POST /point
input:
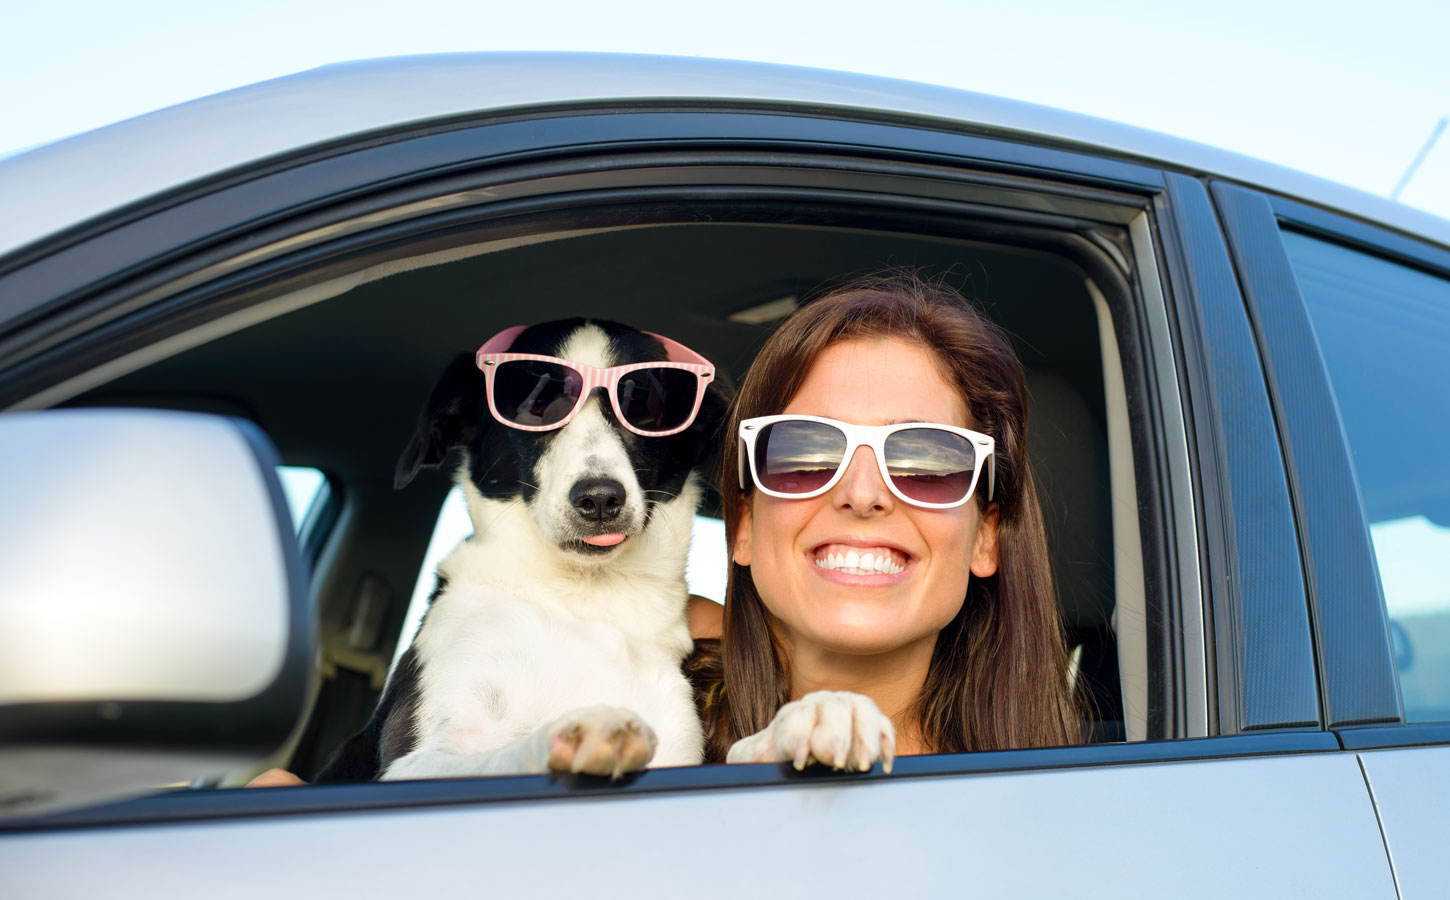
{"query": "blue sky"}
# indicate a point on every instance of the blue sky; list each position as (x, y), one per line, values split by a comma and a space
(1347, 91)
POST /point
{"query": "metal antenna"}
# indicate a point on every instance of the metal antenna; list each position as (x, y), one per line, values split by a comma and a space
(1435, 133)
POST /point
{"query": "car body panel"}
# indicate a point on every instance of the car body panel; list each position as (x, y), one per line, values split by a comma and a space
(1261, 827)
(1412, 796)
(121, 164)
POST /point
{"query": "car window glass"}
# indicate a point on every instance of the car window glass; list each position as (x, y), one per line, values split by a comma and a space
(302, 485)
(705, 569)
(1383, 329)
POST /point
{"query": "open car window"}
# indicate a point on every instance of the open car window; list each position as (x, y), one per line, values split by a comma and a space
(334, 356)
(372, 601)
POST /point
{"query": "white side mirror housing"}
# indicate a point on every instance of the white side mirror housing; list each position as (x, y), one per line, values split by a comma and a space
(155, 624)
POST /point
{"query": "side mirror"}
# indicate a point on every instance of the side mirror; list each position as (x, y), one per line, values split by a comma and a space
(155, 624)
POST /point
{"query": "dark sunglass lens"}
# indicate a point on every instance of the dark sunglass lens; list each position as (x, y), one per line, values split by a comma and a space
(798, 457)
(929, 465)
(530, 392)
(658, 399)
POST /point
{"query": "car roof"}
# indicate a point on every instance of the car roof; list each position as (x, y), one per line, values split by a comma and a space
(50, 188)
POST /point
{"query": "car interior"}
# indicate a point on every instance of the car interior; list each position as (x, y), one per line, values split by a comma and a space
(338, 368)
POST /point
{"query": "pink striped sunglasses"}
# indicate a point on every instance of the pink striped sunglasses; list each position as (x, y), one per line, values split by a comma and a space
(540, 393)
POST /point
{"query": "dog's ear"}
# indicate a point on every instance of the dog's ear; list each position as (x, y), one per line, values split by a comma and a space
(451, 419)
(710, 422)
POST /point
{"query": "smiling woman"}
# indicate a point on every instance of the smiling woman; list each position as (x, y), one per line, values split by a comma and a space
(930, 595)
(814, 560)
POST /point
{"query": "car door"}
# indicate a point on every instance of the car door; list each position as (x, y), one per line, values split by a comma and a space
(1229, 780)
(1355, 321)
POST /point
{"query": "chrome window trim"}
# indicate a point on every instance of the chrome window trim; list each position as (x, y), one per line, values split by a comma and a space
(1190, 613)
(1130, 601)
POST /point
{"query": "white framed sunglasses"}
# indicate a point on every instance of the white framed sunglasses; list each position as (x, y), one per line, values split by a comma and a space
(796, 457)
(532, 392)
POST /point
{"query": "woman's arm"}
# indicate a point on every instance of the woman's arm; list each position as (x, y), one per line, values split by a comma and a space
(275, 778)
(706, 617)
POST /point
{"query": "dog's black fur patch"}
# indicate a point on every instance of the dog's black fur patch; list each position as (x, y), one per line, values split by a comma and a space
(388, 734)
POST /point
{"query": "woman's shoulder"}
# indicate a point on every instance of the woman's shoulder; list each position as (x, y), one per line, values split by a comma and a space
(706, 617)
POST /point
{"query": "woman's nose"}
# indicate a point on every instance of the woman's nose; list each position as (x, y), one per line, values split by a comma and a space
(861, 489)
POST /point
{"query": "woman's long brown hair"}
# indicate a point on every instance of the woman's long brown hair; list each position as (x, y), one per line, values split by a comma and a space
(998, 675)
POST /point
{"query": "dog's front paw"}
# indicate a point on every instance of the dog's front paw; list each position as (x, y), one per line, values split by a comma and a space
(600, 740)
(835, 728)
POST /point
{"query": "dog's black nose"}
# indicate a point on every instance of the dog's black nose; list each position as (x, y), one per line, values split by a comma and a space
(597, 499)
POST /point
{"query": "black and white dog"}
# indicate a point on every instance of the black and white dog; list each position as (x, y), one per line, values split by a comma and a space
(555, 637)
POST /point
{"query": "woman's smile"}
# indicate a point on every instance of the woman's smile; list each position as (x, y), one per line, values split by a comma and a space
(861, 562)
(865, 557)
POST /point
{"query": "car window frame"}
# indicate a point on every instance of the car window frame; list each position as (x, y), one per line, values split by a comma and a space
(1174, 207)
(199, 223)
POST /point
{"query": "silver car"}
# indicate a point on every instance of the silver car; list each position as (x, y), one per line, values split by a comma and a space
(1239, 377)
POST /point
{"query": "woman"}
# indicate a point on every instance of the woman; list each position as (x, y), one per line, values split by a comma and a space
(924, 587)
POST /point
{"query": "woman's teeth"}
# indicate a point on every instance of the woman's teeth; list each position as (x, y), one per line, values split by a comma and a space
(860, 563)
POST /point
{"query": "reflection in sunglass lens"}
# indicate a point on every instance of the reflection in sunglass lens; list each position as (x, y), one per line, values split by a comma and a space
(657, 399)
(929, 465)
(531, 392)
(798, 457)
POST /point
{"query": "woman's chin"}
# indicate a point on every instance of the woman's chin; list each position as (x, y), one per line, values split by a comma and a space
(856, 623)
(858, 637)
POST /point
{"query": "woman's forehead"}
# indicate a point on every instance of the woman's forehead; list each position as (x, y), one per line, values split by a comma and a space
(879, 381)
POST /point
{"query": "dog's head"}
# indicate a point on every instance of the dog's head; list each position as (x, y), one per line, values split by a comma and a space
(591, 486)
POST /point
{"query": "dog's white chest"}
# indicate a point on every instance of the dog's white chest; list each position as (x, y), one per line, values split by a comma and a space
(497, 666)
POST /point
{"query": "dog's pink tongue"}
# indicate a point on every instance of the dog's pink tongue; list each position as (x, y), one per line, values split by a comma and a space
(605, 540)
